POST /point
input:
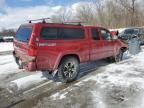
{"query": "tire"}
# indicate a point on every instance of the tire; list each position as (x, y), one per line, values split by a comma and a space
(19, 63)
(119, 56)
(68, 69)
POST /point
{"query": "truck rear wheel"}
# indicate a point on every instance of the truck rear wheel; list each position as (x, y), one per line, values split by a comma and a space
(18, 61)
(68, 69)
(119, 56)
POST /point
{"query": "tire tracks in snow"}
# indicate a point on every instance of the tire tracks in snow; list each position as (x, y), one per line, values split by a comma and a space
(6, 62)
(7, 99)
(31, 97)
(5, 53)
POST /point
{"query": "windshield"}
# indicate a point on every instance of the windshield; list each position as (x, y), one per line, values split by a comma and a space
(129, 31)
(24, 33)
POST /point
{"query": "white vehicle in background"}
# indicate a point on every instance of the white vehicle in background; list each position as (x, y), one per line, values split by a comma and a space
(6, 44)
(1, 39)
(117, 29)
(8, 38)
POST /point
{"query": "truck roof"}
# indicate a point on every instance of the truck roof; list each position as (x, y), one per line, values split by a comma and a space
(61, 24)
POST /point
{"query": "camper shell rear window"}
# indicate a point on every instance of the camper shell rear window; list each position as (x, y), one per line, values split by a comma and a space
(23, 34)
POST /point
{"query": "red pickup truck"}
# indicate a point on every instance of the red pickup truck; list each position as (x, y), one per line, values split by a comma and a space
(62, 47)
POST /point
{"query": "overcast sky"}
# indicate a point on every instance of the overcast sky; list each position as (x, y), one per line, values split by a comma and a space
(15, 12)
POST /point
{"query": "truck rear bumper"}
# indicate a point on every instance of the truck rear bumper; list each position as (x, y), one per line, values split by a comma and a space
(28, 64)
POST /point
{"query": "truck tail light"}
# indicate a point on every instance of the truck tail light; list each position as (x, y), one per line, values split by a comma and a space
(32, 51)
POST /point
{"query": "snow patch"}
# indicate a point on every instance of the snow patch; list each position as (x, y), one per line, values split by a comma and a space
(6, 46)
(26, 83)
(7, 65)
(59, 95)
(122, 84)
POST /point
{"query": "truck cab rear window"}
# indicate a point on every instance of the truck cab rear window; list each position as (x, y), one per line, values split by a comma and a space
(71, 33)
(24, 33)
(49, 33)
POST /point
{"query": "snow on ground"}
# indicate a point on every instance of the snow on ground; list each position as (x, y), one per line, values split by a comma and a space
(6, 59)
(7, 65)
(25, 83)
(121, 85)
(8, 68)
(124, 73)
(117, 85)
(6, 46)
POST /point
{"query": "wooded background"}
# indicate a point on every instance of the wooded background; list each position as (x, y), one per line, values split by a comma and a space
(107, 13)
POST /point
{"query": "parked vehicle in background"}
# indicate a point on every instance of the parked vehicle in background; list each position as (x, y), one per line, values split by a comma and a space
(1, 39)
(114, 33)
(131, 32)
(62, 47)
(8, 38)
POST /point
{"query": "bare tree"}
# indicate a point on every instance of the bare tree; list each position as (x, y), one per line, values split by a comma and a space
(130, 6)
(63, 15)
(92, 13)
(7, 32)
(85, 14)
(107, 13)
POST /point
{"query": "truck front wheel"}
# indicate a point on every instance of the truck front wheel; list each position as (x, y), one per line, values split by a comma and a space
(68, 69)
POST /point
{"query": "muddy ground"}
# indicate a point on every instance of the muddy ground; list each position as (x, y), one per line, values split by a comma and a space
(32, 98)
(82, 93)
